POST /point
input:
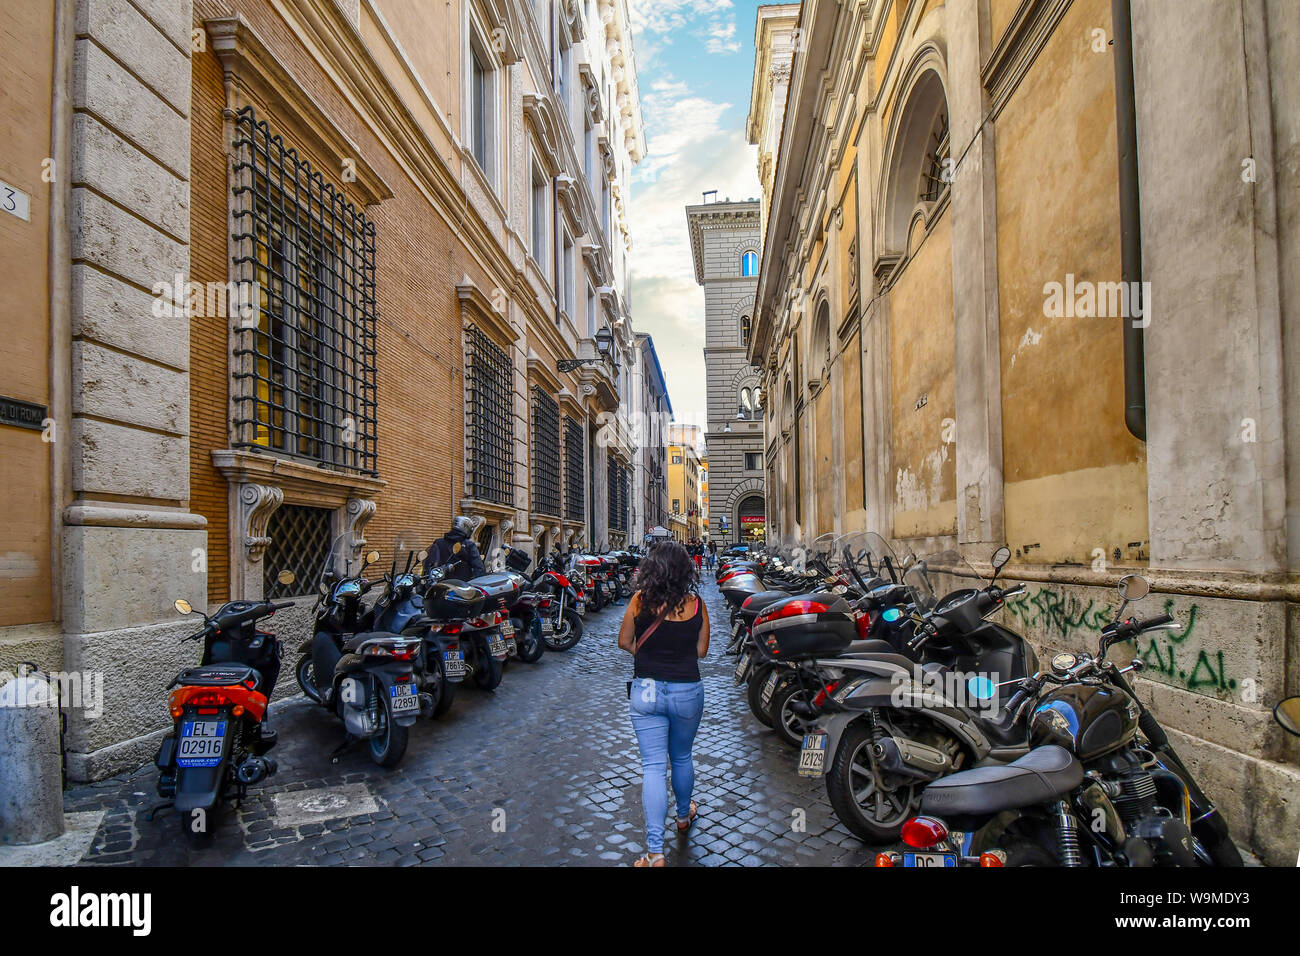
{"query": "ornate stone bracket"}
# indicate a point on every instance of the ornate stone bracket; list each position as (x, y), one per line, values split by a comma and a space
(256, 505)
(356, 515)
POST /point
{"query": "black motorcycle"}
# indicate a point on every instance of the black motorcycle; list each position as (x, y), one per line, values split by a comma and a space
(1102, 785)
(218, 745)
(373, 689)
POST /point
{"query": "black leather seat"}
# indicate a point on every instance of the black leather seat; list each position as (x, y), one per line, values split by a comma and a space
(1043, 774)
(218, 675)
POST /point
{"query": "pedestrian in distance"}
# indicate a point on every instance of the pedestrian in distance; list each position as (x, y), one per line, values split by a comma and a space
(666, 630)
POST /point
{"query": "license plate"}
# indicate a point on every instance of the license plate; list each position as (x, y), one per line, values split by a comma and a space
(742, 667)
(581, 607)
(812, 758)
(507, 631)
(735, 628)
(453, 663)
(497, 647)
(201, 743)
(548, 626)
(404, 698)
(929, 859)
(770, 687)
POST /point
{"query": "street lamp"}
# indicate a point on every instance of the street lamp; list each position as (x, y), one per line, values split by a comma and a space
(604, 350)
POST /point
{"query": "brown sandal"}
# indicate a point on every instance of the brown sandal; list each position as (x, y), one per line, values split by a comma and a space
(684, 825)
(651, 859)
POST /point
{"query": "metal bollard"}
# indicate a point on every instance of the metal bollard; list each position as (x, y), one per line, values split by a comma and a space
(31, 782)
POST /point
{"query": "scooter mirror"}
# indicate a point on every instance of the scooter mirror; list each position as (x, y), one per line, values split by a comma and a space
(286, 577)
(1000, 558)
(1287, 714)
(1134, 587)
(183, 606)
(372, 557)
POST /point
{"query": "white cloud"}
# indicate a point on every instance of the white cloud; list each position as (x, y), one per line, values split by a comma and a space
(694, 144)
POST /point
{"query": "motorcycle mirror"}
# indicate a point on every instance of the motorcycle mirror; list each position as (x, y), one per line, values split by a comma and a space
(1287, 714)
(183, 606)
(1000, 558)
(324, 588)
(286, 577)
(1133, 587)
(372, 557)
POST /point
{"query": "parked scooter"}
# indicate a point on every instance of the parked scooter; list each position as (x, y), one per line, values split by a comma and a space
(1102, 786)
(373, 688)
(897, 725)
(219, 741)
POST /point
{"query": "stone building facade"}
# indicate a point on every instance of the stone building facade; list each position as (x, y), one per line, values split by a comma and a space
(726, 246)
(953, 362)
(300, 276)
(651, 411)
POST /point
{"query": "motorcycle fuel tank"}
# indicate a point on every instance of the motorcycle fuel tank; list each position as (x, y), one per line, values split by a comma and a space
(1087, 719)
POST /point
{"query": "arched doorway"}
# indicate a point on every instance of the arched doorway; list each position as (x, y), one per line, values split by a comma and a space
(751, 520)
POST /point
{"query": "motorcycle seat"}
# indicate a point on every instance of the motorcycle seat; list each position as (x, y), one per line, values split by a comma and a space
(218, 675)
(1043, 774)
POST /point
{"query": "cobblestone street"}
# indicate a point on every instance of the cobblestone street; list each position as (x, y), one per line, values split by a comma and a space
(553, 748)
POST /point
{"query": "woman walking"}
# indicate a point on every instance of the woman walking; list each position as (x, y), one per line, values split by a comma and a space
(666, 630)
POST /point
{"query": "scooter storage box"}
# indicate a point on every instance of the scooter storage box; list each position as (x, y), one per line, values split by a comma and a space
(501, 590)
(804, 634)
(453, 601)
(736, 589)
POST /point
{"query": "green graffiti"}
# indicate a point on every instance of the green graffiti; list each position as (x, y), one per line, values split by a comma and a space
(1054, 613)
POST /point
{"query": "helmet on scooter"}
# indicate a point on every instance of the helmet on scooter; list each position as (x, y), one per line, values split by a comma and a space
(462, 525)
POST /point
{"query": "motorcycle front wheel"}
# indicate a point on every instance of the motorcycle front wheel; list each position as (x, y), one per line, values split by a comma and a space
(568, 631)
(872, 813)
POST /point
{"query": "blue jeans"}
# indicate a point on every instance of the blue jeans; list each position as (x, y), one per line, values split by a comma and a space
(665, 716)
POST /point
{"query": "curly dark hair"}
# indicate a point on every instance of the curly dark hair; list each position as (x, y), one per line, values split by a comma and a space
(666, 577)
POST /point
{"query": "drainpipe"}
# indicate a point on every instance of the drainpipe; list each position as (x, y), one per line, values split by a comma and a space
(1130, 223)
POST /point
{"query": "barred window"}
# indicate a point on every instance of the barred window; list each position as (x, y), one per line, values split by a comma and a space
(488, 432)
(574, 450)
(300, 542)
(619, 494)
(304, 354)
(546, 453)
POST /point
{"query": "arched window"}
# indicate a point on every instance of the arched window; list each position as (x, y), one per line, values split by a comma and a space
(751, 403)
(749, 264)
(746, 325)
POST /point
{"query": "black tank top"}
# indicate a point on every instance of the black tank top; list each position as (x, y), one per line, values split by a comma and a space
(671, 652)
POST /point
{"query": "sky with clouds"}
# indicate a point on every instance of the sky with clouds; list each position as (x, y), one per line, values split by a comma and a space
(695, 63)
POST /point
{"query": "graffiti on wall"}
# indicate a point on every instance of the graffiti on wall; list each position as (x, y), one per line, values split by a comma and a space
(1173, 657)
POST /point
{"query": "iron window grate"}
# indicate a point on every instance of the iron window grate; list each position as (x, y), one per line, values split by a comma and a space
(574, 441)
(304, 357)
(488, 422)
(546, 453)
(300, 542)
(617, 477)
